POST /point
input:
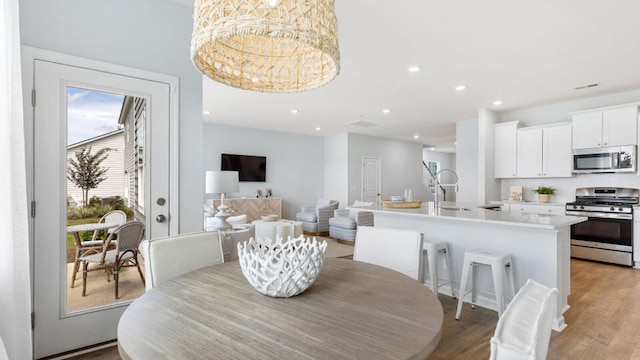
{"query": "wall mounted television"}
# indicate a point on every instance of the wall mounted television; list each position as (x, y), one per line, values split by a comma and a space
(249, 168)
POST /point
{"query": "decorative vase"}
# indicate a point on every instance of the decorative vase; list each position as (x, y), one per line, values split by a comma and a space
(544, 198)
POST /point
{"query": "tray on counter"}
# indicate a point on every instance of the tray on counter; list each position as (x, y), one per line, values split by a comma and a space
(402, 205)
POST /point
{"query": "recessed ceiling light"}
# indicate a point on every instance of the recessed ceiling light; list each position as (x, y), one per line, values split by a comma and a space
(318, 129)
(416, 136)
(432, 148)
(254, 79)
(386, 111)
(294, 111)
(460, 87)
(206, 112)
(497, 102)
(413, 68)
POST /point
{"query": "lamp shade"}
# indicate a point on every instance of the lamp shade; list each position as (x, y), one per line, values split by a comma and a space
(222, 182)
(272, 46)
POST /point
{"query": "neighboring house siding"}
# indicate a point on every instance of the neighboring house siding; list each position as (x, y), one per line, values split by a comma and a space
(114, 184)
(130, 159)
(133, 118)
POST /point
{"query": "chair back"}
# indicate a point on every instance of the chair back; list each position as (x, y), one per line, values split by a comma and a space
(113, 217)
(3, 351)
(396, 249)
(168, 257)
(524, 329)
(129, 237)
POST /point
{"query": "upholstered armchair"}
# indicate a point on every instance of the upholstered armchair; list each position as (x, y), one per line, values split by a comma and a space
(315, 218)
(344, 225)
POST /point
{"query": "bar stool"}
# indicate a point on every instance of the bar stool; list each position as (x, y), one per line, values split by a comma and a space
(500, 263)
(432, 250)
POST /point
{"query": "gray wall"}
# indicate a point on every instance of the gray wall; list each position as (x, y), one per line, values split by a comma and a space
(152, 35)
(401, 166)
(467, 158)
(295, 163)
(559, 112)
(336, 166)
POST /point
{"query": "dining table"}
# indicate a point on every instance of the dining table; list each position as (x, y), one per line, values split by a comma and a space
(86, 247)
(354, 310)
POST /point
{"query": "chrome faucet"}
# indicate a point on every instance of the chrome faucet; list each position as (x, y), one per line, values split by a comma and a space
(438, 184)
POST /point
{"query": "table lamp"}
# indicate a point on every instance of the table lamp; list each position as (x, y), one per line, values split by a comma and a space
(222, 182)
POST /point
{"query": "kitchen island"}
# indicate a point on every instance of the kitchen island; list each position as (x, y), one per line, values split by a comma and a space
(538, 244)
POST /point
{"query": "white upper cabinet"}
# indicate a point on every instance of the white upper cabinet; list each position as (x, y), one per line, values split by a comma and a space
(544, 151)
(557, 157)
(529, 153)
(505, 136)
(619, 126)
(615, 126)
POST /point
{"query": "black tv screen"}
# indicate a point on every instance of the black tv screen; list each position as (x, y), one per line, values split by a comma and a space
(249, 168)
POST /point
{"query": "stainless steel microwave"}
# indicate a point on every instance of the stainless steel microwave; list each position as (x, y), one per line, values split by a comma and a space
(605, 160)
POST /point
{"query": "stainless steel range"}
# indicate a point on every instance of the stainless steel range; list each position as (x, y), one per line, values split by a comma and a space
(608, 234)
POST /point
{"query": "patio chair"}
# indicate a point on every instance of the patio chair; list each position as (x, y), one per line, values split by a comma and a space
(113, 216)
(94, 245)
(126, 252)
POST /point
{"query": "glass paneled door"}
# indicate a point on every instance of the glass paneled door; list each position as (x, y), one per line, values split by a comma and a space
(101, 145)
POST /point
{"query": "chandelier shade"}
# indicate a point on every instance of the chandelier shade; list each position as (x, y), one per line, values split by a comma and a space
(288, 46)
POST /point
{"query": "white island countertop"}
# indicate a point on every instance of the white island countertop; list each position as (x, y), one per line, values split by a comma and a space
(477, 213)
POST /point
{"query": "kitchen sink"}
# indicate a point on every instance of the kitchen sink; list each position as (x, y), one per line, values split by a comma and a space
(454, 208)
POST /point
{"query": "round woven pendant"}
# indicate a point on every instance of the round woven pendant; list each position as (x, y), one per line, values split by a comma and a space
(249, 44)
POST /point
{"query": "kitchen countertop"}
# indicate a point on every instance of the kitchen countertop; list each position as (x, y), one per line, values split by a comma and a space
(480, 215)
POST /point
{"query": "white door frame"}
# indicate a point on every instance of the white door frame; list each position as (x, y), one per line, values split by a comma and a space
(29, 57)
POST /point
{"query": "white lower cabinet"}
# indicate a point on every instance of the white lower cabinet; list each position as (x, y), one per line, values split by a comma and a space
(556, 209)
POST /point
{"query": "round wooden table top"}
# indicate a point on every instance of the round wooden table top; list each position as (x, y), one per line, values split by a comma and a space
(354, 310)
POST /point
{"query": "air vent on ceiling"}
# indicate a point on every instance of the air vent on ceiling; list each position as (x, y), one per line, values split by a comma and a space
(361, 123)
(587, 86)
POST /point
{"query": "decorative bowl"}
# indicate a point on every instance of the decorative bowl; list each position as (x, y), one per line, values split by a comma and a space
(269, 217)
(281, 268)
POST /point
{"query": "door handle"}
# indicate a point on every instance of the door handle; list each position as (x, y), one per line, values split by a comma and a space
(161, 218)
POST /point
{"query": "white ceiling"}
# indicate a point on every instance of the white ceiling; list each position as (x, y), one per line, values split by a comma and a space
(525, 53)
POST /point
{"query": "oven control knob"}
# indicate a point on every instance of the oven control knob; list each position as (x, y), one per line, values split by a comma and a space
(575, 207)
(581, 207)
(612, 208)
(620, 209)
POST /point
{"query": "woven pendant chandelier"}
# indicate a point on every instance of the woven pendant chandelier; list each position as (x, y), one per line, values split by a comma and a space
(266, 45)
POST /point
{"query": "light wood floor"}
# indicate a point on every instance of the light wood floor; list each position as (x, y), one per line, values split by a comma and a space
(604, 320)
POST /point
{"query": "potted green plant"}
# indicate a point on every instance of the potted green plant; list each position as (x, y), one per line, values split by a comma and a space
(544, 193)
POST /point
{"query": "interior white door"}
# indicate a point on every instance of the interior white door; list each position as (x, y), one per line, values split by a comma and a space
(57, 329)
(372, 179)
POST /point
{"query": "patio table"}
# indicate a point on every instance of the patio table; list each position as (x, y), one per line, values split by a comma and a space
(87, 247)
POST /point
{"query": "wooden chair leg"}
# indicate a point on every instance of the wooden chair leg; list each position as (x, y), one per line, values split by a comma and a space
(76, 267)
(85, 270)
(140, 270)
(116, 277)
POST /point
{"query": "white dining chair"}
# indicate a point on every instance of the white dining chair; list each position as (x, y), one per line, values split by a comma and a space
(524, 329)
(3, 351)
(396, 249)
(168, 257)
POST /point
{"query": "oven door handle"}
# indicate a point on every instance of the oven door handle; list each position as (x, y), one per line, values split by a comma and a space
(600, 215)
